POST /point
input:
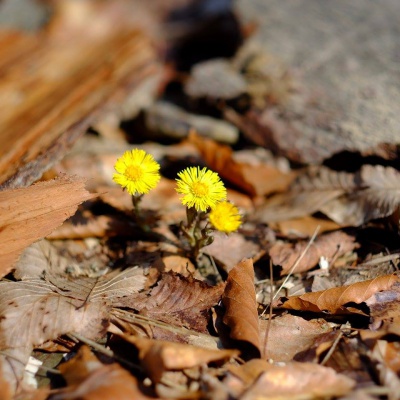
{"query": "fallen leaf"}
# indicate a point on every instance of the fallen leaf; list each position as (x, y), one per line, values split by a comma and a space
(299, 381)
(258, 181)
(290, 335)
(230, 249)
(334, 300)
(180, 301)
(81, 226)
(88, 379)
(29, 214)
(240, 304)
(385, 356)
(329, 245)
(78, 368)
(385, 310)
(378, 196)
(39, 309)
(313, 188)
(5, 390)
(158, 356)
(304, 226)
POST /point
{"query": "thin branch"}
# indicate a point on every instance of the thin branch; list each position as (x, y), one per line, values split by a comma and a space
(298, 261)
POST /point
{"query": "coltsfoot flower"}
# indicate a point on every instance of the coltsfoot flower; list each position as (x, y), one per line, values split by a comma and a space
(137, 172)
(225, 217)
(201, 188)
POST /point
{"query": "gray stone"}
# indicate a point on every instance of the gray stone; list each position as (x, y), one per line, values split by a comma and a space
(345, 59)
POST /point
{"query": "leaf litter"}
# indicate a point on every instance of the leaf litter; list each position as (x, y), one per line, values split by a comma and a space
(134, 312)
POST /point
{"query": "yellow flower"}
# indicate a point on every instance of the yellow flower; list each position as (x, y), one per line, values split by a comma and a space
(225, 217)
(137, 171)
(201, 188)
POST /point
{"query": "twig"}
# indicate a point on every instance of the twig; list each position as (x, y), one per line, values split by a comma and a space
(129, 317)
(298, 261)
(264, 349)
(332, 349)
(101, 349)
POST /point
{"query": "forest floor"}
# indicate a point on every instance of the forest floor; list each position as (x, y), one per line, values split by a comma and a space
(188, 213)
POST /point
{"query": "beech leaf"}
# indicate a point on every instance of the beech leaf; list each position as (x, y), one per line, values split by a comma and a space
(89, 379)
(264, 179)
(240, 304)
(299, 381)
(307, 194)
(377, 196)
(334, 300)
(180, 301)
(328, 245)
(158, 356)
(42, 308)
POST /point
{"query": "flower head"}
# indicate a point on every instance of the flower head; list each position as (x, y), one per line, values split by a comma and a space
(137, 171)
(201, 188)
(225, 217)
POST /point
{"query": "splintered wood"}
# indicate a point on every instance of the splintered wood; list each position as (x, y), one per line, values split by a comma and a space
(54, 85)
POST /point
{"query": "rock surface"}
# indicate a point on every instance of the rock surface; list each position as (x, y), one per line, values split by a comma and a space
(345, 59)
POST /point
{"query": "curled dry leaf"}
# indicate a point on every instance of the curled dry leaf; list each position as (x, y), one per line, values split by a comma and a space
(258, 181)
(329, 245)
(180, 301)
(29, 214)
(387, 364)
(159, 356)
(385, 310)
(240, 304)
(88, 379)
(299, 381)
(334, 300)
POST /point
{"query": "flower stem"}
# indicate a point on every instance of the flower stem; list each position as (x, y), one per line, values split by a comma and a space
(197, 236)
(136, 199)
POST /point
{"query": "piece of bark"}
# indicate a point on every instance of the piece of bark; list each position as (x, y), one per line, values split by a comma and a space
(56, 83)
(29, 214)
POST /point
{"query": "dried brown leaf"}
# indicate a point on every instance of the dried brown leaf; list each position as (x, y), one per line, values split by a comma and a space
(29, 214)
(92, 226)
(39, 309)
(230, 250)
(329, 245)
(180, 301)
(5, 390)
(307, 195)
(334, 300)
(158, 356)
(304, 226)
(377, 197)
(88, 379)
(240, 304)
(386, 359)
(260, 181)
(299, 381)
(289, 335)
(385, 310)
